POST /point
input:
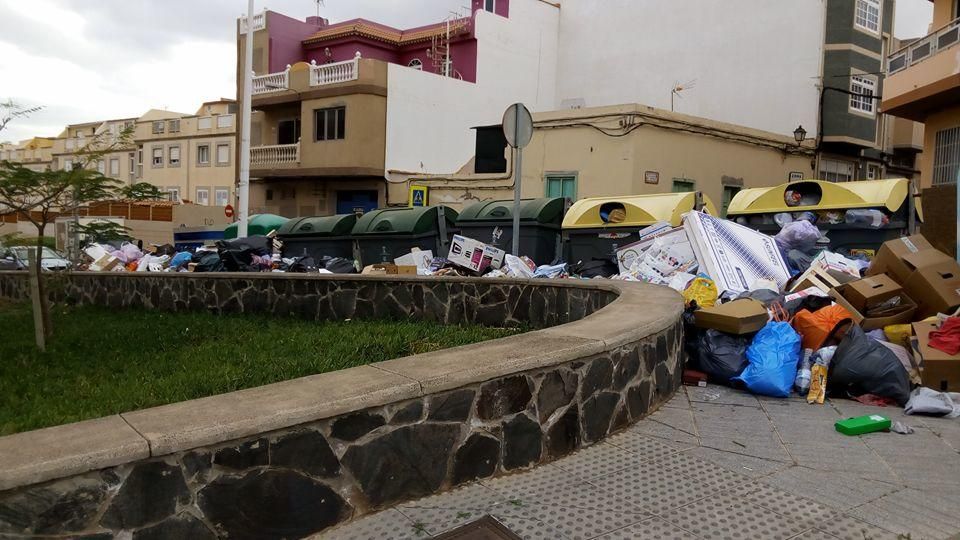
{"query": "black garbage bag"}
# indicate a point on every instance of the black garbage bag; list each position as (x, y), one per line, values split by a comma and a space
(691, 336)
(302, 265)
(764, 296)
(338, 265)
(723, 356)
(258, 245)
(861, 365)
(594, 268)
(207, 261)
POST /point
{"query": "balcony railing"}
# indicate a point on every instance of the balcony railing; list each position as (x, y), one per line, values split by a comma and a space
(271, 82)
(259, 22)
(277, 154)
(338, 72)
(918, 51)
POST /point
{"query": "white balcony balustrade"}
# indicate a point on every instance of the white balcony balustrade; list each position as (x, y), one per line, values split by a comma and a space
(271, 82)
(278, 154)
(259, 22)
(337, 72)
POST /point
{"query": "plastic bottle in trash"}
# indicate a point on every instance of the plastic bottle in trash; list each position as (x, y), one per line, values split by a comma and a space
(802, 381)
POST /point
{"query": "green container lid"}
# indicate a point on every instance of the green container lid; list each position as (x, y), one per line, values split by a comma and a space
(546, 211)
(258, 224)
(339, 225)
(402, 221)
(863, 424)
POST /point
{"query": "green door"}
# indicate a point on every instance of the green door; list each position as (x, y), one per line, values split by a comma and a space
(683, 185)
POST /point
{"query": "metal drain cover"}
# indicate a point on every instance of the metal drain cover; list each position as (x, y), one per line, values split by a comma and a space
(485, 528)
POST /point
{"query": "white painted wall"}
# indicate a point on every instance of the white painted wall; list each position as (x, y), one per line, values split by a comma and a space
(429, 117)
(756, 62)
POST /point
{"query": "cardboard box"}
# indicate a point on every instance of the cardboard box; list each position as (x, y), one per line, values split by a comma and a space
(742, 316)
(870, 291)
(386, 269)
(901, 257)
(837, 266)
(936, 288)
(473, 254)
(904, 314)
(938, 370)
(814, 278)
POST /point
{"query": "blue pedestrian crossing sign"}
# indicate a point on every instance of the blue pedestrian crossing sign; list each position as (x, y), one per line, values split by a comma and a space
(418, 196)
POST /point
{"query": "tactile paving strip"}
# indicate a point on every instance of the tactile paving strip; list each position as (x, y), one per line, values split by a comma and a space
(543, 479)
(712, 518)
(598, 460)
(646, 448)
(782, 502)
(386, 525)
(651, 528)
(653, 489)
(703, 471)
(583, 523)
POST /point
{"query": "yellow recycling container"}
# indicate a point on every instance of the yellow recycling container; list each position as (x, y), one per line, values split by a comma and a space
(858, 215)
(595, 228)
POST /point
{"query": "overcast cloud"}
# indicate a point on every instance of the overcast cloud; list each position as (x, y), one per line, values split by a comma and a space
(88, 60)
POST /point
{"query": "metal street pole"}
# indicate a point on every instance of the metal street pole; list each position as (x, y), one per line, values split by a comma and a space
(244, 188)
(517, 171)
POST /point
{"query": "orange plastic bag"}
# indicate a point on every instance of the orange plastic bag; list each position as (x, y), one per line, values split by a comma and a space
(817, 326)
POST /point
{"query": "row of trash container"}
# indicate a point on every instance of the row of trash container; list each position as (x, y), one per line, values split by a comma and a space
(590, 229)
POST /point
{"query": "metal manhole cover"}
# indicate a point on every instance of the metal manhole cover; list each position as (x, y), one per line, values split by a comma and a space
(485, 528)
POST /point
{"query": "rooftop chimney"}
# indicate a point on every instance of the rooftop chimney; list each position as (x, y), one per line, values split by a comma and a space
(319, 22)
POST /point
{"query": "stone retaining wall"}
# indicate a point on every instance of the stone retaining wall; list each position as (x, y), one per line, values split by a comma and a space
(293, 458)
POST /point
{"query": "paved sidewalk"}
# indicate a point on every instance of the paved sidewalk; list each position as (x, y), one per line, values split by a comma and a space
(718, 463)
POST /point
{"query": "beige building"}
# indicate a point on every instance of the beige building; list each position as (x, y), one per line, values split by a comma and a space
(35, 154)
(73, 146)
(924, 85)
(626, 150)
(192, 157)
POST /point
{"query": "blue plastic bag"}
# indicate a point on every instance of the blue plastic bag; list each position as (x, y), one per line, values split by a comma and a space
(773, 358)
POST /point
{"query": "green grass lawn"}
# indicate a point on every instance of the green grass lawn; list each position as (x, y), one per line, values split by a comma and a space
(103, 362)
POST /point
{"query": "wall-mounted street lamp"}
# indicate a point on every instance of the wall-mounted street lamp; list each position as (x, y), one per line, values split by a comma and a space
(799, 135)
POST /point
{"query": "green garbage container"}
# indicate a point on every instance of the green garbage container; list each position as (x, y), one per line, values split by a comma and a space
(388, 233)
(491, 222)
(594, 229)
(258, 224)
(318, 236)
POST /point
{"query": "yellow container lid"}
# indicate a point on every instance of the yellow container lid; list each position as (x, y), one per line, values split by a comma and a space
(632, 210)
(889, 194)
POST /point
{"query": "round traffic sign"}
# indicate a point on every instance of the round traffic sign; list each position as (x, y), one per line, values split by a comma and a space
(228, 210)
(517, 125)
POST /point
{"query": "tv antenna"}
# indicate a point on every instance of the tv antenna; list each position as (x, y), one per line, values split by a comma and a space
(320, 4)
(678, 88)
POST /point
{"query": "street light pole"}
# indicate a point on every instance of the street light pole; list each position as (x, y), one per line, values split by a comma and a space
(243, 193)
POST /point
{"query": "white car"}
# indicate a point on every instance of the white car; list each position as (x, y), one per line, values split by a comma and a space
(15, 258)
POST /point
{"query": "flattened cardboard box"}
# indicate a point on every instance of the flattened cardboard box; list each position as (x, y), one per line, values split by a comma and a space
(742, 316)
(938, 370)
(473, 254)
(901, 257)
(871, 290)
(904, 316)
(935, 288)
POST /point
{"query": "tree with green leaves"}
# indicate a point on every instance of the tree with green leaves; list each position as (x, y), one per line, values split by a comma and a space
(143, 191)
(41, 196)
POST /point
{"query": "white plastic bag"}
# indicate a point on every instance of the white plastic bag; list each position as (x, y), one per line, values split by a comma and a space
(516, 267)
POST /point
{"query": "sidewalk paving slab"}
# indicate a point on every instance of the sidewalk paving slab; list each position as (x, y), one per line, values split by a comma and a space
(669, 476)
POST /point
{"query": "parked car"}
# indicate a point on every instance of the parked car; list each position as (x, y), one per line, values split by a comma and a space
(15, 258)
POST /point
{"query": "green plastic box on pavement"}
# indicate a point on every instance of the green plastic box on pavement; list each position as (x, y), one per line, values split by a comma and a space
(863, 424)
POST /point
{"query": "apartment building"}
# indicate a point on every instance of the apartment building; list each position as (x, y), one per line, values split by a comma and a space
(342, 109)
(35, 154)
(73, 147)
(191, 157)
(923, 85)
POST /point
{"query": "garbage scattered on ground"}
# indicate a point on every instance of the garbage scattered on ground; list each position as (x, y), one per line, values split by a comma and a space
(861, 425)
(692, 377)
(777, 314)
(901, 428)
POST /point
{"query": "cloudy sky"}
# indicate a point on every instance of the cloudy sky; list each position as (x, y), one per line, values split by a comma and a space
(88, 60)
